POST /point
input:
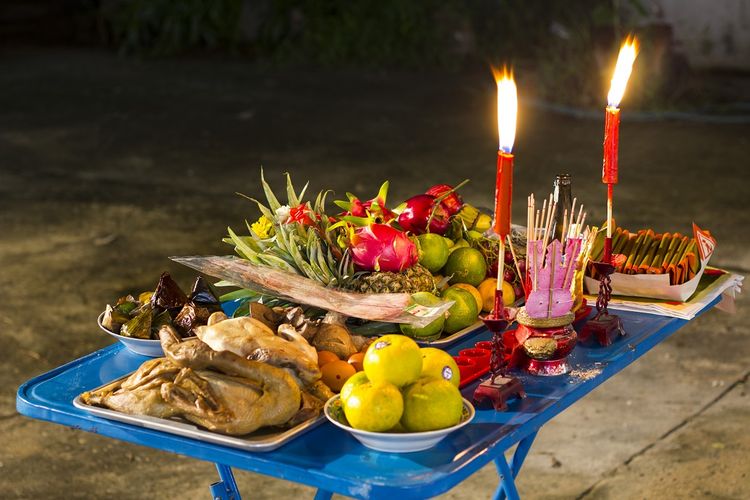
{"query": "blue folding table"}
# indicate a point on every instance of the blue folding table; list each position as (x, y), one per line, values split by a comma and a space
(331, 460)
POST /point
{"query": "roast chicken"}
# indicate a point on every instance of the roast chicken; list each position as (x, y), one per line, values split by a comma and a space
(220, 391)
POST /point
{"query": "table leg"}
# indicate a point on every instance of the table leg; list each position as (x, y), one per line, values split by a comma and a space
(507, 487)
(323, 495)
(226, 488)
(508, 473)
(520, 454)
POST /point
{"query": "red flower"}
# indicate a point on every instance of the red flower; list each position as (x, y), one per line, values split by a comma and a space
(301, 214)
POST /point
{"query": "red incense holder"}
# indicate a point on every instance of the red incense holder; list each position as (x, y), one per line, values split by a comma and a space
(498, 388)
(548, 349)
(603, 328)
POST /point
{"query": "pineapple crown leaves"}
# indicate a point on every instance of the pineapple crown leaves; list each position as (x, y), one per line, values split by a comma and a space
(301, 241)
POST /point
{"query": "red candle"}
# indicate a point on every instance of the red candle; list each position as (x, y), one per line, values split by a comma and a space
(503, 194)
(507, 109)
(611, 138)
(624, 66)
(609, 169)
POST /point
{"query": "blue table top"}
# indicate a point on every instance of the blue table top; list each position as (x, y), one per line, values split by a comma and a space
(328, 457)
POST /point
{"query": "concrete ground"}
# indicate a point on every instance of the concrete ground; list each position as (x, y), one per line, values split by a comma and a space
(108, 166)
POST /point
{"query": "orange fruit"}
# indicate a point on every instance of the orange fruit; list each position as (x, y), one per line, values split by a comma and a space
(473, 291)
(465, 265)
(395, 359)
(487, 292)
(374, 407)
(356, 360)
(463, 312)
(336, 373)
(325, 357)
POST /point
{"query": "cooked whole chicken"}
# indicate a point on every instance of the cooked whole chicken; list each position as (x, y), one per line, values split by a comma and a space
(328, 334)
(220, 391)
(252, 339)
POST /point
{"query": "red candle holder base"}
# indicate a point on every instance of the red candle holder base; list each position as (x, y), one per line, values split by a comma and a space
(499, 390)
(602, 329)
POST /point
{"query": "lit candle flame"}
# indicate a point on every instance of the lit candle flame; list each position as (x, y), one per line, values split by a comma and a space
(507, 108)
(628, 52)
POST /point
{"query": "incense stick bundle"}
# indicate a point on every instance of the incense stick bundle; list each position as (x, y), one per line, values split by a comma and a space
(542, 218)
(547, 228)
(515, 261)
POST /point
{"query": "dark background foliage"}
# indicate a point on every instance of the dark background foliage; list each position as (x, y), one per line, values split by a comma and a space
(567, 49)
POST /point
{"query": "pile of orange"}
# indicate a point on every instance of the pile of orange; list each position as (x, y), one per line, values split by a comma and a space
(337, 371)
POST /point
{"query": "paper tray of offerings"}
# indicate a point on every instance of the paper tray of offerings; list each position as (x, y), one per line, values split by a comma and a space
(659, 286)
(651, 286)
(263, 440)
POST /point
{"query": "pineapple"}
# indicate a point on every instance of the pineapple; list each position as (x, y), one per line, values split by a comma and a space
(414, 279)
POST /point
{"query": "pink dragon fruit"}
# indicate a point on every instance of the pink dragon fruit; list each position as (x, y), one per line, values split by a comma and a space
(379, 247)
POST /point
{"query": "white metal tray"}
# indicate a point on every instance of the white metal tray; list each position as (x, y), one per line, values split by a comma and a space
(264, 439)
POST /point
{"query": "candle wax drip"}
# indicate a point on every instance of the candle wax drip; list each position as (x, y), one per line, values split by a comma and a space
(607, 250)
(503, 194)
(611, 139)
(498, 311)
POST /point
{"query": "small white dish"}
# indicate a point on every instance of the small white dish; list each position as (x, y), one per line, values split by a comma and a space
(400, 442)
(144, 347)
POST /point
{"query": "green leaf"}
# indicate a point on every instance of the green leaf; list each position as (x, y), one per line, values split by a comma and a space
(322, 261)
(254, 239)
(240, 244)
(357, 221)
(304, 190)
(341, 223)
(278, 252)
(243, 293)
(322, 208)
(272, 201)
(290, 194)
(383, 192)
(276, 262)
(281, 240)
(224, 283)
(263, 209)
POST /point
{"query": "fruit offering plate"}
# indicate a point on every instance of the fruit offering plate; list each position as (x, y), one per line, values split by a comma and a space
(447, 340)
(394, 442)
(262, 440)
(450, 339)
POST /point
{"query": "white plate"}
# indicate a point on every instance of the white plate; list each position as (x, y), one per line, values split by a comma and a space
(399, 442)
(264, 439)
(144, 347)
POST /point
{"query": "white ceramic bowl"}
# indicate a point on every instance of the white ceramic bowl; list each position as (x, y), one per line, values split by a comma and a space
(144, 347)
(400, 442)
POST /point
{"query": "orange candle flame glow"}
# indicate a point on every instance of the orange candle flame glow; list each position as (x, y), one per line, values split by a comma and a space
(624, 66)
(507, 109)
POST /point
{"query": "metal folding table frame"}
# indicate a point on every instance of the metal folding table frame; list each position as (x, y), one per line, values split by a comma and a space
(328, 458)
